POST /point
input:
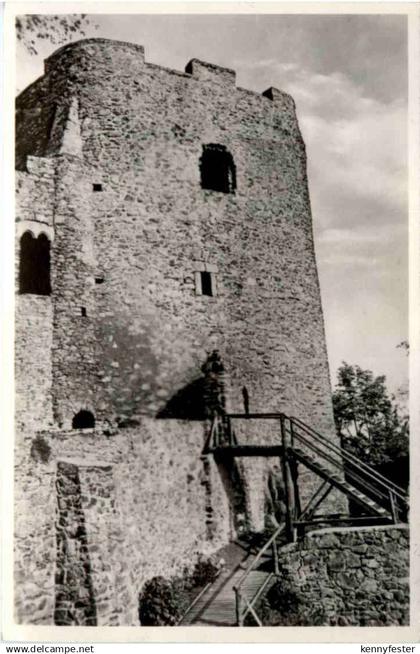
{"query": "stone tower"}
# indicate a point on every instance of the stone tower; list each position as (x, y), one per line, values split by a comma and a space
(165, 267)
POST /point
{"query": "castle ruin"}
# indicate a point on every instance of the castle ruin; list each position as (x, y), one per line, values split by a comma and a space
(165, 273)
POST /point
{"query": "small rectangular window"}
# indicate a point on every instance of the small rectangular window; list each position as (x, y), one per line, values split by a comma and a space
(205, 277)
(83, 311)
(206, 283)
(97, 187)
(99, 280)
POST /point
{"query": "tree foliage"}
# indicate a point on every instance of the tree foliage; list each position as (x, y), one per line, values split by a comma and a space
(404, 345)
(33, 28)
(368, 421)
(159, 604)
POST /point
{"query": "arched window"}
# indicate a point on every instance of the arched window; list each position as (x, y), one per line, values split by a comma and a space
(217, 169)
(83, 420)
(34, 265)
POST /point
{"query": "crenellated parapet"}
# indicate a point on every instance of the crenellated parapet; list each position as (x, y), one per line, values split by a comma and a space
(205, 72)
(51, 107)
(92, 52)
(281, 99)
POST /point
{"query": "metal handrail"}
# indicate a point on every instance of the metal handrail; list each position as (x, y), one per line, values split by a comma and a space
(382, 496)
(250, 603)
(237, 588)
(347, 455)
(328, 445)
(387, 487)
(328, 457)
(264, 548)
(384, 488)
(380, 479)
(197, 597)
(247, 416)
(350, 457)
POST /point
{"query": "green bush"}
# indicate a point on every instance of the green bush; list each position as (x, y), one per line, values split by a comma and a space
(159, 604)
(283, 607)
(163, 602)
(205, 572)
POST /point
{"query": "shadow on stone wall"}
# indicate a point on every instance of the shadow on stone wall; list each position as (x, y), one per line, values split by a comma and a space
(203, 397)
(187, 404)
(275, 497)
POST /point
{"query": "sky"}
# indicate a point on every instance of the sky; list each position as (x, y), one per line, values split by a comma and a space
(348, 76)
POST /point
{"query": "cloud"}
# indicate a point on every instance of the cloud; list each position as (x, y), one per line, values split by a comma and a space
(356, 143)
(362, 159)
(356, 146)
(370, 50)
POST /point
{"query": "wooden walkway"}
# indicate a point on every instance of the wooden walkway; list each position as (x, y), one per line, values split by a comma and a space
(217, 606)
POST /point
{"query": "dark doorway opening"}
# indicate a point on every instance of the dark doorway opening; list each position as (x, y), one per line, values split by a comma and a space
(83, 420)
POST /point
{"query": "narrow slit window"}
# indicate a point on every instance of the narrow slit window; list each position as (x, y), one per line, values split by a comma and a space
(206, 284)
(83, 311)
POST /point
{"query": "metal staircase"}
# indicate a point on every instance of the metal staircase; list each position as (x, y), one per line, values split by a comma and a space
(380, 500)
(338, 482)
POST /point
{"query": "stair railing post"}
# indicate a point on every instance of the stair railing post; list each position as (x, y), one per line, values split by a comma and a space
(394, 511)
(275, 557)
(216, 430)
(295, 479)
(288, 481)
(238, 602)
(292, 433)
(230, 433)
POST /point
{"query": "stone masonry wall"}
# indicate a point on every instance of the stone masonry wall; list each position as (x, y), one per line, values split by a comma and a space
(35, 551)
(76, 352)
(34, 120)
(354, 576)
(34, 314)
(33, 379)
(111, 512)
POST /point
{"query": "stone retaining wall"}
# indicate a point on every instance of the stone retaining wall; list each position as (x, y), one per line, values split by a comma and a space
(349, 577)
